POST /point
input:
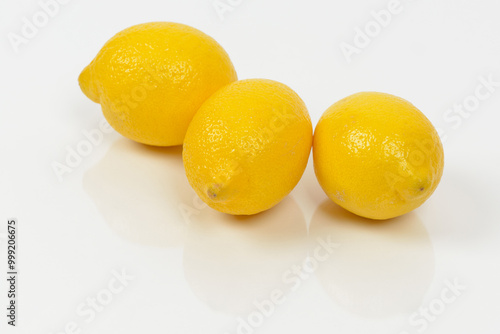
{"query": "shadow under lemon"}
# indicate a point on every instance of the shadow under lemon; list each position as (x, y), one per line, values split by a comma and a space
(230, 262)
(138, 190)
(380, 268)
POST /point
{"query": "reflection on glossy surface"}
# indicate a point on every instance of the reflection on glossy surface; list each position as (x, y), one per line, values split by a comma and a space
(232, 261)
(380, 268)
(133, 187)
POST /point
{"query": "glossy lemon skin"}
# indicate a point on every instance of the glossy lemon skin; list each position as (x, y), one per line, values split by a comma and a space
(247, 146)
(377, 155)
(151, 78)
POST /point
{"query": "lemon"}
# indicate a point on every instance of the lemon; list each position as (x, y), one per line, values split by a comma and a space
(247, 146)
(377, 155)
(151, 78)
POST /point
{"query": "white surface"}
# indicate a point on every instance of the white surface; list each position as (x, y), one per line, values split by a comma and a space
(120, 208)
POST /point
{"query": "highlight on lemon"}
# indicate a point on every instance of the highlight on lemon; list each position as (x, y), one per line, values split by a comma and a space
(247, 146)
(377, 155)
(150, 80)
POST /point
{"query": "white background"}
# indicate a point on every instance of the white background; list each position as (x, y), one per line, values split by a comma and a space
(129, 207)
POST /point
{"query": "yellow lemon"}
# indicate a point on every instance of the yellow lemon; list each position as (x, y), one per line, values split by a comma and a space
(151, 78)
(247, 146)
(377, 155)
